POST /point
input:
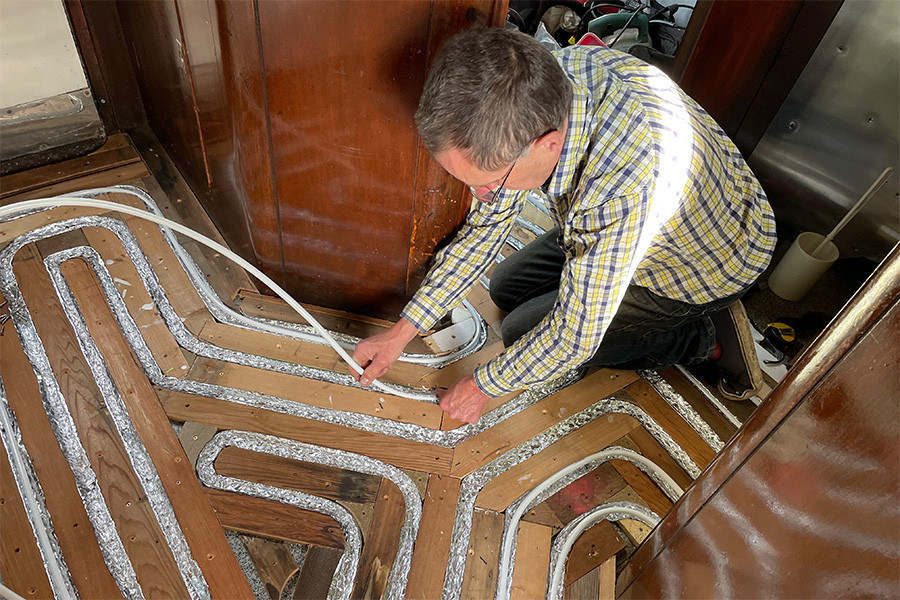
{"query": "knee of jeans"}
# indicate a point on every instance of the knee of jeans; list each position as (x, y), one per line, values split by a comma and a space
(510, 331)
(498, 291)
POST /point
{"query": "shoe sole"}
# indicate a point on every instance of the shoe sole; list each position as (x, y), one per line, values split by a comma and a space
(738, 316)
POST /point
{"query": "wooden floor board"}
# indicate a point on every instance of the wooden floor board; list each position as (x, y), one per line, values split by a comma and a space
(266, 306)
(653, 404)
(323, 394)
(426, 577)
(196, 517)
(140, 305)
(72, 527)
(480, 579)
(303, 353)
(382, 539)
(286, 473)
(137, 525)
(257, 516)
(228, 415)
(529, 578)
(20, 558)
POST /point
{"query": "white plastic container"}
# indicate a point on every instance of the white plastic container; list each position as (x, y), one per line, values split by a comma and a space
(799, 271)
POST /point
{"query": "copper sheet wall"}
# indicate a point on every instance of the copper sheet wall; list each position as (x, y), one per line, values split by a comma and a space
(293, 123)
(804, 502)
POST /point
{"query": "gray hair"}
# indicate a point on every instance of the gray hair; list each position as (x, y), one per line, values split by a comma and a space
(490, 93)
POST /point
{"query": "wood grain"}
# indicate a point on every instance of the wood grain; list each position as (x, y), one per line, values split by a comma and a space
(532, 561)
(381, 541)
(116, 152)
(310, 478)
(266, 518)
(526, 424)
(124, 174)
(141, 306)
(586, 492)
(480, 579)
(649, 447)
(585, 588)
(503, 489)
(644, 486)
(255, 304)
(426, 577)
(303, 353)
(608, 580)
(592, 548)
(71, 524)
(317, 393)
(20, 559)
(273, 562)
(228, 415)
(193, 437)
(205, 538)
(709, 413)
(136, 523)
(653, 404)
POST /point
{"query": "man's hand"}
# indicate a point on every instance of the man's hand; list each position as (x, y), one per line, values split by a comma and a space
(377, 353)
(464, 401)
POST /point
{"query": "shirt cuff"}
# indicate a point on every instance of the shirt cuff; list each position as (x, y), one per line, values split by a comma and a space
(489, 381)
(423, 313)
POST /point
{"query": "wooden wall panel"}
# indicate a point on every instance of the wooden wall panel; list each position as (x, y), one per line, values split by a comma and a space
(738, 44)
(293, 124)
(199, 70)
(344, 142)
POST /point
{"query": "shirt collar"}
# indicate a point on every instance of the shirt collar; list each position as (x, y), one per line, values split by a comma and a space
(563, 179)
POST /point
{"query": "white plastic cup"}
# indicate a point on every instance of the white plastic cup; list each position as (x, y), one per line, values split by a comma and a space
(799, 271)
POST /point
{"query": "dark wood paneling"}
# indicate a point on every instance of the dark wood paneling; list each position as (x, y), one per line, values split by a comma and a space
(293, 124)
(161, 66)
(802, 501)
(440, 202)
(808, 29)
(104, 53)
(345, 142)
(223, 50)
(739, 42)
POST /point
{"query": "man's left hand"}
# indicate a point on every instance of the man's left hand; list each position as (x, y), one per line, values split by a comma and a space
(464, 401)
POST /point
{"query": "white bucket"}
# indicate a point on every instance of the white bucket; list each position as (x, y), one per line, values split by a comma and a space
(799, 271)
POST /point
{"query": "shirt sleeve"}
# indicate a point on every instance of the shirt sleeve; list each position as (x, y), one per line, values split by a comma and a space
(462, 263)
(602, 246)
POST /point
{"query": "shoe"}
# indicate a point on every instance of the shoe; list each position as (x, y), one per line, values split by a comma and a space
(741, 376)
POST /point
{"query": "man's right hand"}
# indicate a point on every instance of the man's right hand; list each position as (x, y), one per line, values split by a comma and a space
(377, 353)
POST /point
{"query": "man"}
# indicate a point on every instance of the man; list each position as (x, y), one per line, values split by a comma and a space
(661, 226)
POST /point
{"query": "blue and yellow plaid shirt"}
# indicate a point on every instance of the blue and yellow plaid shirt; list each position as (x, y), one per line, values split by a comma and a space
(648, 190)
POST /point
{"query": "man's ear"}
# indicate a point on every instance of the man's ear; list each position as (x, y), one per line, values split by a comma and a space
(551, 141)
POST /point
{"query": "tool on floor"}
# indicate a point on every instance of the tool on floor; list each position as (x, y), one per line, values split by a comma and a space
(812, 254)
(778, 338)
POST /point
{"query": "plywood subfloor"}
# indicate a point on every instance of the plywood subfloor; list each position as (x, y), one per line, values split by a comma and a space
(240, 545)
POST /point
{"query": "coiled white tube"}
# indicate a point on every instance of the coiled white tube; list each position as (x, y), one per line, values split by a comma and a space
(27, 205)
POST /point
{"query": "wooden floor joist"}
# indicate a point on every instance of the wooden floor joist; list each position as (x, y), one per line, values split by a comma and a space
(267, 528)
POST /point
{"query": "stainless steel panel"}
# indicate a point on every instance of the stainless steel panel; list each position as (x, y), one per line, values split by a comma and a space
(838, 129)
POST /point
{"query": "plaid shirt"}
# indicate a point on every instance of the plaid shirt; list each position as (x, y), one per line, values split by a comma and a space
(648, 190)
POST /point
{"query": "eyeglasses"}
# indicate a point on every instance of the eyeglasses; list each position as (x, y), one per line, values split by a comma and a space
(496, 191)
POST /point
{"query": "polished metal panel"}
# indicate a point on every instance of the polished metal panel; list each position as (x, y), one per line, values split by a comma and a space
(838, 129)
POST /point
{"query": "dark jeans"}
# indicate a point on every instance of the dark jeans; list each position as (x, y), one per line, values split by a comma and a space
(647, 332)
